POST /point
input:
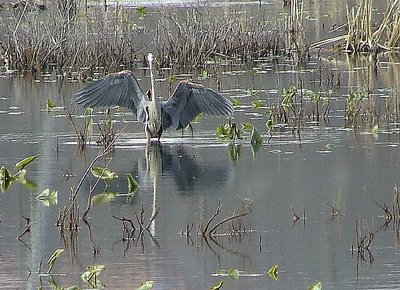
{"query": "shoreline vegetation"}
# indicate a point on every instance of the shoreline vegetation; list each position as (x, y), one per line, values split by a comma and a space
(73, 35)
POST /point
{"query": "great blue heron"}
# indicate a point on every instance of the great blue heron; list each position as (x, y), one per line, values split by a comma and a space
(187, 101)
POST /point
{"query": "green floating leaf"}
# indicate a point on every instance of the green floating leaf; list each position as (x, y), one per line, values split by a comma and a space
(273, 272)
(4, 173)
(316, 286)
(329, 146)
(20, 176)
(146, 285)
(233, 273)
(21, 164)
(90, 276)
(104, 197)
(133, 186)
(53, 258)
(89, 80)
(48, 197)
(103, 173)
(217, 285)
(5, 179)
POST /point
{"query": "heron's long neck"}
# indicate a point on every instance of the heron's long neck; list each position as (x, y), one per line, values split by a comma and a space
(153, 95)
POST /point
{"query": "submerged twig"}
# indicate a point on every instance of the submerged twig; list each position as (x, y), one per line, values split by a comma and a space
(27, 229)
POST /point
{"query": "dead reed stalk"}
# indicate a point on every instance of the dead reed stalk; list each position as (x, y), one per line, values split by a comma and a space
(191, 37)
(362, 38)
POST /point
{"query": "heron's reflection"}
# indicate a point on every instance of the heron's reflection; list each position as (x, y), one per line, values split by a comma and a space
(189, 171)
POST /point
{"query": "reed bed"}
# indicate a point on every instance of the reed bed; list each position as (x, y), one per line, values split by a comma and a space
(362, 37)
(191, 37)
(68, 35)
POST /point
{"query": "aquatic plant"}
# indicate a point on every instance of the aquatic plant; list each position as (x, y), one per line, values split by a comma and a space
(273, 272)
(91, 275)
(316, 286)
(19, 176)
(48, 197)
(84, 132)
(53, 258)
(191, 37)
(217, 285)
(146, 285)
(295, 43)
(228, 131)
(133, 185)
(232, 273)
(361, 36)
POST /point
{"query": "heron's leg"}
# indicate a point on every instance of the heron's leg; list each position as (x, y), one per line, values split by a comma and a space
(191, 129)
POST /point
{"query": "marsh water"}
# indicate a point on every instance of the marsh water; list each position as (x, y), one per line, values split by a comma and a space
(186, 177)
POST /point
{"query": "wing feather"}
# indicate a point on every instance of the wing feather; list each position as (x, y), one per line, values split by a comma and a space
(116, 89)
(189, 100)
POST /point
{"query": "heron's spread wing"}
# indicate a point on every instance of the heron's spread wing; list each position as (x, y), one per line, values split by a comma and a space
(190, 99)
(117, 89)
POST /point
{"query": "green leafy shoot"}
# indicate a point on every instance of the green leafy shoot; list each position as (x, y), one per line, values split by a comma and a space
(48, 197)
(255, 137)
(91, 275)
(198, 118)
(257, 104)
(146, 285)
(141, 11)
(133, 185)
(375, 129)
(227, 131)
(53, 258)
(50, 104)
(103, 198)
(217, 285)
(235, 102)
(314, 96)
(172, 79)
(247, 127)
(273, 272)
(103, 173)
(233, 273)
(88, 121)
(316, 286)
(288, 98)
(21, 164)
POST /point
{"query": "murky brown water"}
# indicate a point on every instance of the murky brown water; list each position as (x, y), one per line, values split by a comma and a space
(187, 176)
